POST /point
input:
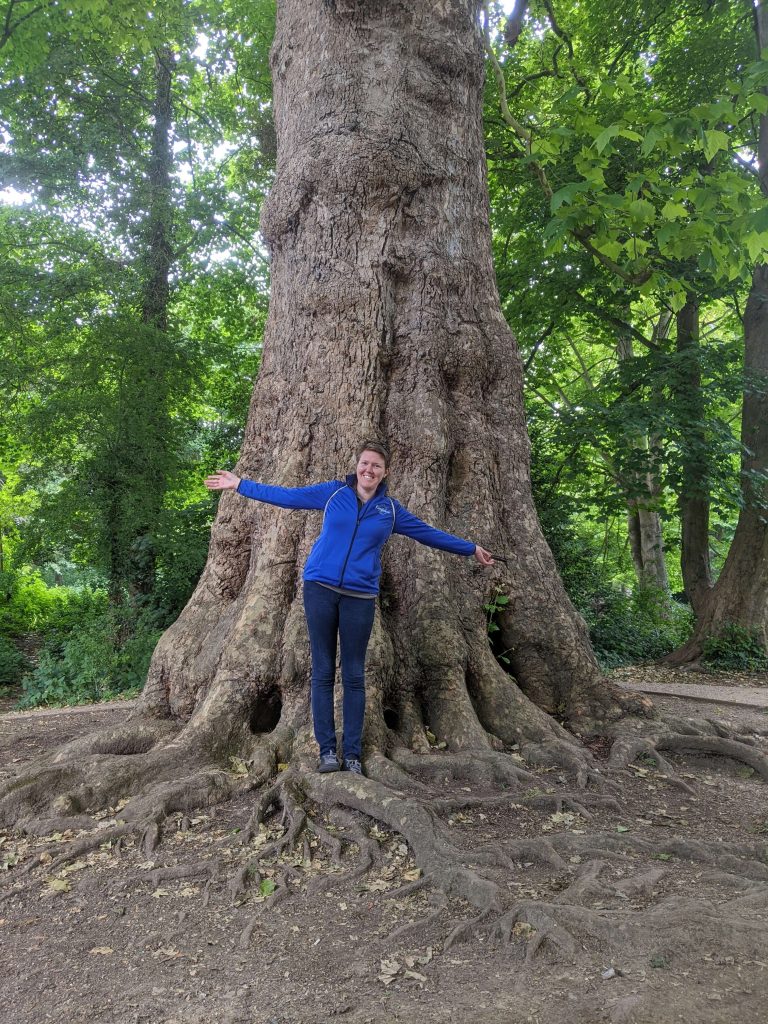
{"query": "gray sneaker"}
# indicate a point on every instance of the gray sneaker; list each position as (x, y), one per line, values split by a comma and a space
(329, 762)
(351, 764)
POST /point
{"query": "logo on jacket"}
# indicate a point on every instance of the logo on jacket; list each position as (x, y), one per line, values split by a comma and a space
(384, 510)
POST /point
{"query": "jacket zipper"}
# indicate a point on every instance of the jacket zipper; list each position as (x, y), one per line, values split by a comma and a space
(349, 552)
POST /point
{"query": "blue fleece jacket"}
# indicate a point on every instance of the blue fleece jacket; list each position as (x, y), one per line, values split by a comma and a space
(348, 551)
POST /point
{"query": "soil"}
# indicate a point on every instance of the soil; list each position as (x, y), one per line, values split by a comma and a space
(108, 939)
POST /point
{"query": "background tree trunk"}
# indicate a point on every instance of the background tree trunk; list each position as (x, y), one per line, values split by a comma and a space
(646, 539)
(740, 595)
(384, 321)
(693, 500)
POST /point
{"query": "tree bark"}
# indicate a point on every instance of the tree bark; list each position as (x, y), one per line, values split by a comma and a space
(646, 541)
(693, 500)
(384, 321)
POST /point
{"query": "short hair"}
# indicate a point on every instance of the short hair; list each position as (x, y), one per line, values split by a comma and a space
(374, 446)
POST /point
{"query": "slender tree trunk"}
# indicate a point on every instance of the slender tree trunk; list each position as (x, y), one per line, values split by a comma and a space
(646, 540)
(384, 321)
(159, 253)
(139, 457)
(693, 500)
(646, 544)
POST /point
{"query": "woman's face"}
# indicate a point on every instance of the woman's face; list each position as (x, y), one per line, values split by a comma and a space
(370, 470)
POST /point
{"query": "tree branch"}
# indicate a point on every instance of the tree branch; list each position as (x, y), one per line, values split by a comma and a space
(582, 234)
(617, 322)
(9, 28)
(537, 345)
(514, 25)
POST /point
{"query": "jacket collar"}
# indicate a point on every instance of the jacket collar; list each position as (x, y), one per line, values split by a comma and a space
(381, 490)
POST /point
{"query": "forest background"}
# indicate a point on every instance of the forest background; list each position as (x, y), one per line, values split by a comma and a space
(136, 149)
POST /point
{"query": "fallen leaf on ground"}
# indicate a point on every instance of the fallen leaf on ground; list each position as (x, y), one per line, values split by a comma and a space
(415, 975)
(389, 971)
(167, 951)
(59, 885)
(411, 961)
(101, 951)
(376, 885)
(563, 817)
(237, 766)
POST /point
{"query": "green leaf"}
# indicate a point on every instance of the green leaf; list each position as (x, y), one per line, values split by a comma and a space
(610, 248)
(642, 210)
(672, 210)
(652, 137)
(605, 136)
(759, 219)
(567, 194)
(267, 887)
(759, 102)
(757, 244)
(677, 299)
(666, 237)
(714, 141)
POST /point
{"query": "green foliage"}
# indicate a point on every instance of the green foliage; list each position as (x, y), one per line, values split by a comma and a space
(493, 609)
(13, 664)
(736, 649)
(27, 604)
(637, 626)
(106, 656)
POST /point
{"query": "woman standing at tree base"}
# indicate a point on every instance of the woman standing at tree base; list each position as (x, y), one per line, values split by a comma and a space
(341, 582)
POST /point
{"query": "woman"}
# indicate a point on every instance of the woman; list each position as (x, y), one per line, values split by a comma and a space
(341, 581)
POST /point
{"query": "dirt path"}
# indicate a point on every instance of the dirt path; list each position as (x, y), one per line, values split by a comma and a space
(111, 940)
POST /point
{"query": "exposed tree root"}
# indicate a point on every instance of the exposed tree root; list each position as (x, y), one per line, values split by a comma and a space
(676, 921)
(299, 814)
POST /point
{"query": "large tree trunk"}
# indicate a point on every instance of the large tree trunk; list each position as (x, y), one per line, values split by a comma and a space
(384, 321)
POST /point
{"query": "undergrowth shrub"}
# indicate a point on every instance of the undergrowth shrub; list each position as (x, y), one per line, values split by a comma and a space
(13, 664)
(626, 628)
(736, 649)
(26, 602)
(106, 656)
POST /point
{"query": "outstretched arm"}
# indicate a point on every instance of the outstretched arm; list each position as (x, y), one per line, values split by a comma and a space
(410, 525)
(313, 497)
(222, 480)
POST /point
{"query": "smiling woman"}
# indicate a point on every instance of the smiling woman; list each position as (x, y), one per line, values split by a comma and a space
(341, 581)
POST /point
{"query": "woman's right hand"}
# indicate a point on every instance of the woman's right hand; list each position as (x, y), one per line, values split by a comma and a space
(222, 480)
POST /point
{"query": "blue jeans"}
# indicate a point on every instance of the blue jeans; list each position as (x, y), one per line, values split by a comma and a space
(331, 615)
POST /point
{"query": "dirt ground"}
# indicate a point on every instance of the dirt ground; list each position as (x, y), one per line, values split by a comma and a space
(671, 938)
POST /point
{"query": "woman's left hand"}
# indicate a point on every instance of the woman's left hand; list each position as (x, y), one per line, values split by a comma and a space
(484, 557)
